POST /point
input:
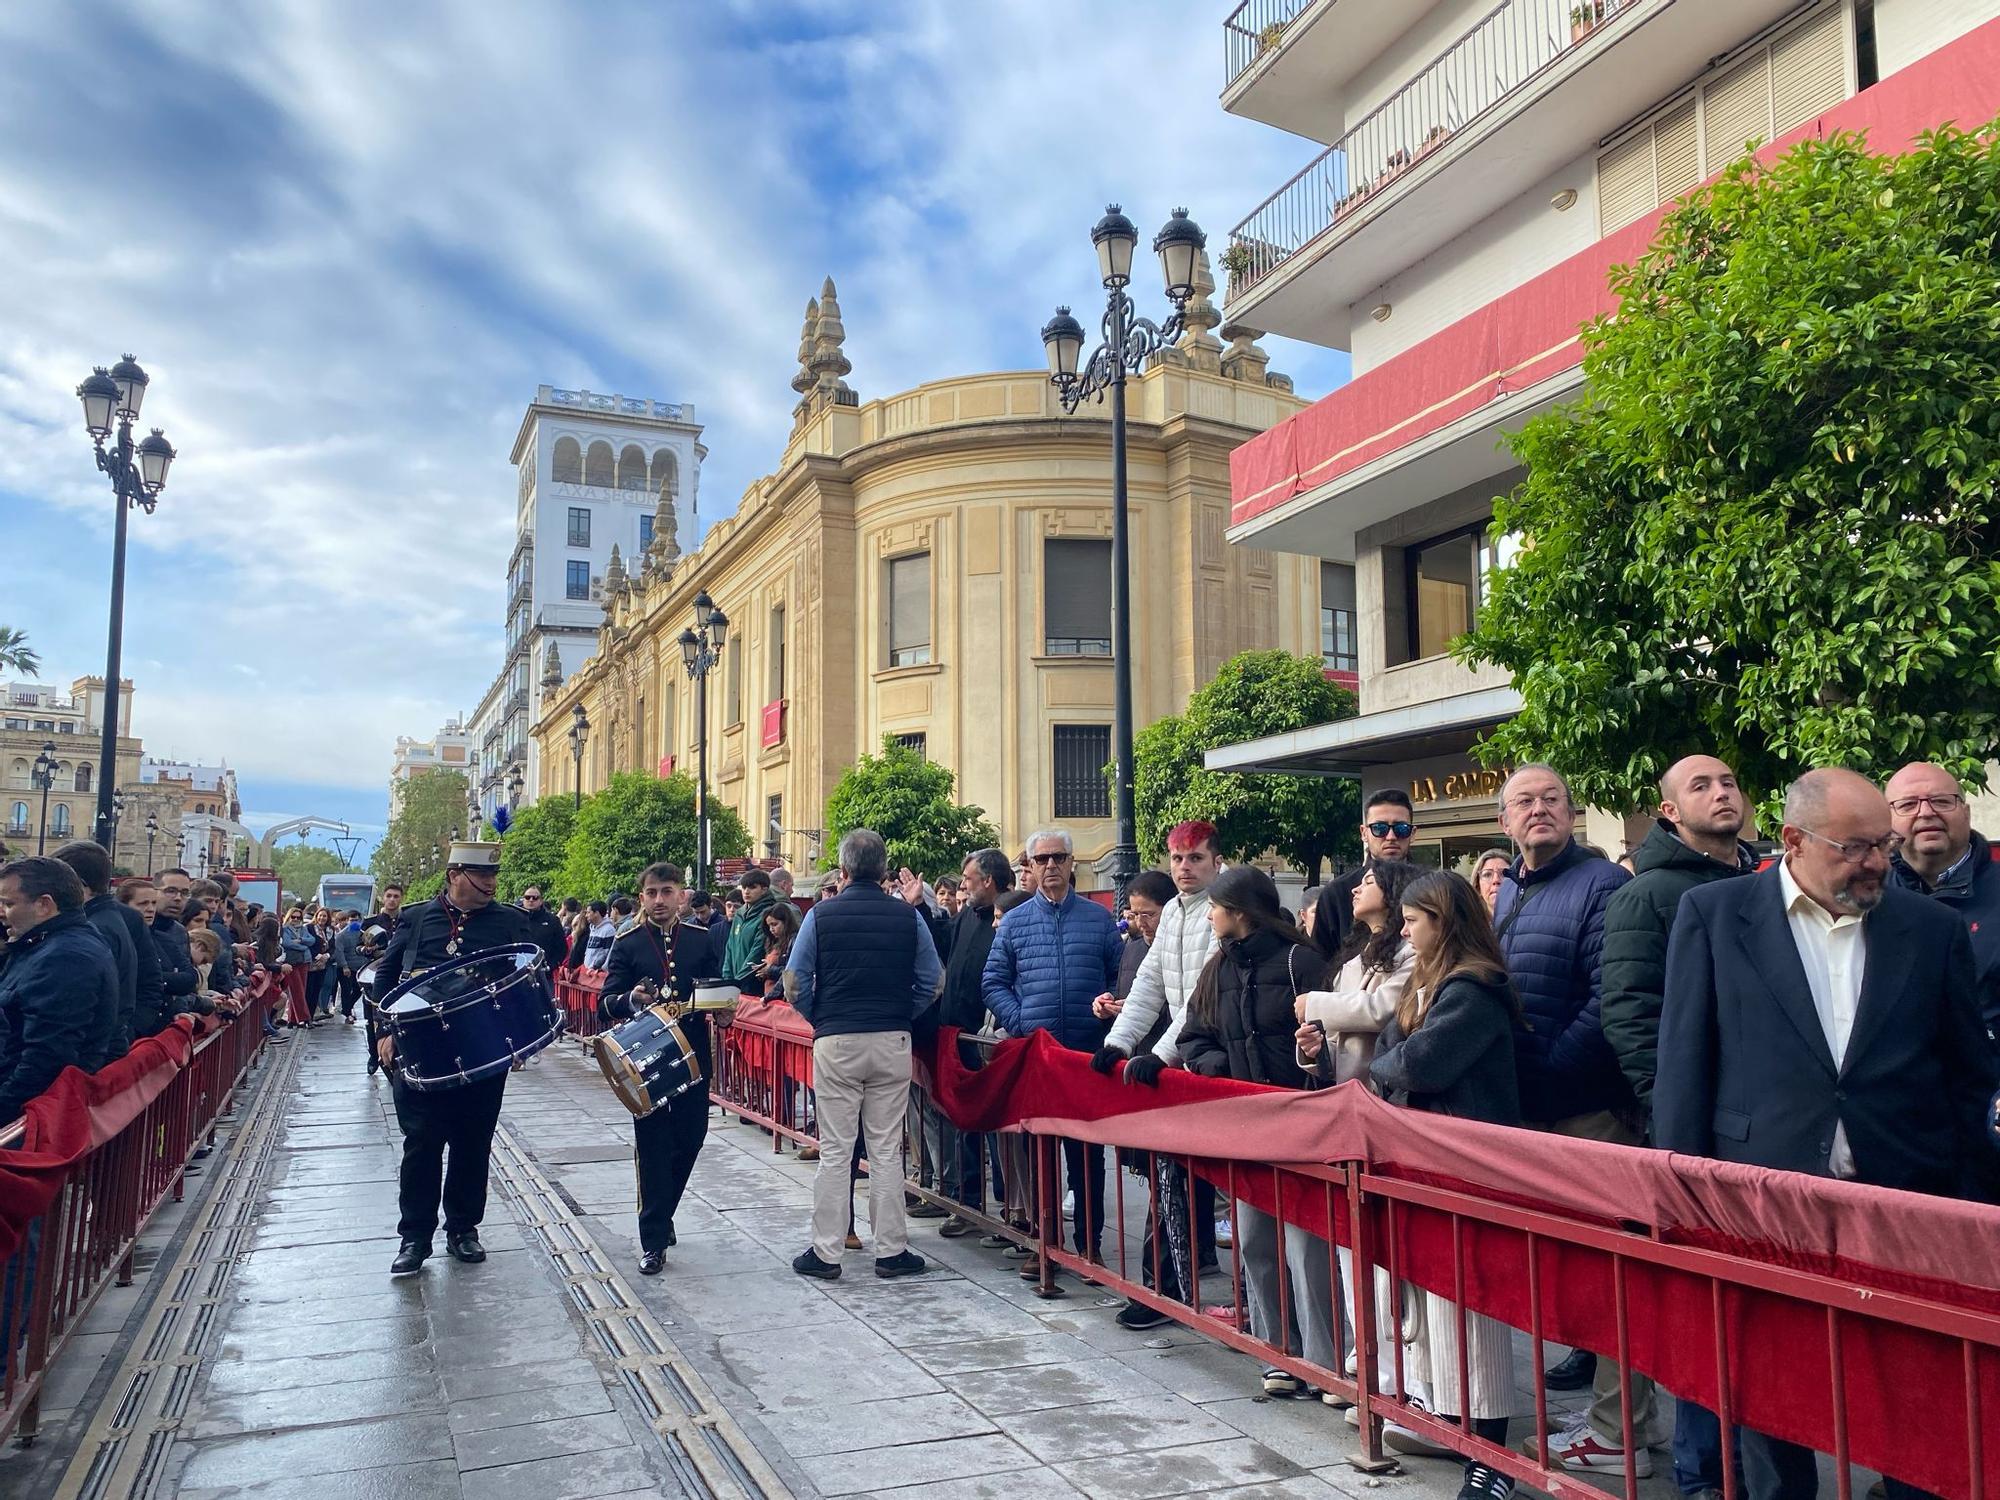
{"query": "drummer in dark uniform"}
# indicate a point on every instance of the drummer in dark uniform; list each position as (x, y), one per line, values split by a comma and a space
(461, 921)
(664, 957)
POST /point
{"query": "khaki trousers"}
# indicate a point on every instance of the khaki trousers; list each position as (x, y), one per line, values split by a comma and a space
(862, 1083)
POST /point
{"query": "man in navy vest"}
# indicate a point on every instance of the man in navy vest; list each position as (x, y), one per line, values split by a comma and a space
(863, 967)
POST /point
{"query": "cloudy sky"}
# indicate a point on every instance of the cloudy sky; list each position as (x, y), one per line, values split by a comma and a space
(348, 241)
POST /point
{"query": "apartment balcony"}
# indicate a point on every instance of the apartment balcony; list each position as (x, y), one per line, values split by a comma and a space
(1522, 93)
(1288, 62)
(1429, 421)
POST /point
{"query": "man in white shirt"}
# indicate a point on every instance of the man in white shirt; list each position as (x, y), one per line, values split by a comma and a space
(1819, 1020)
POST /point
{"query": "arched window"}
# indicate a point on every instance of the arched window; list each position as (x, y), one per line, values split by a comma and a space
(567, 466)
(666, 474)
(59, 822)
(83, 778)
(632, 468)
(17, 821)
(597, 466)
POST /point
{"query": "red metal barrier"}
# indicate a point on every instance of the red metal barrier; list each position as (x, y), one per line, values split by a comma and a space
(83, 1242)
(576, 992)
(1466, 1249)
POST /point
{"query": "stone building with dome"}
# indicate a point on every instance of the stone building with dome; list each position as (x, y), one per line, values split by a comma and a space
(936, 565)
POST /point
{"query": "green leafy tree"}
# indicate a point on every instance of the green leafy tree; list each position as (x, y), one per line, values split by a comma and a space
(533, 849)
(1306, 819)
(635, 820)
(423, 888)
(300, 867)
(429, 814)
(16, 655)
(910, 801)
(1770, 529)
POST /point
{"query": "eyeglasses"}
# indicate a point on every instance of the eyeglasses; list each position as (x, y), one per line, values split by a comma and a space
(1856, 850)
(1399, 828)
(1939, 802)
(531, 896)
(1048, 859)
(1527, 800)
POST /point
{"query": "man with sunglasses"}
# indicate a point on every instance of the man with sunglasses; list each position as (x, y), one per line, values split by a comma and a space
(1387, 826)
(1821, 1019)
(1944, 859)
(547, 932)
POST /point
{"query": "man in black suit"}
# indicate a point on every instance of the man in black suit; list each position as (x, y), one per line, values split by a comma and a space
(1818, 1020)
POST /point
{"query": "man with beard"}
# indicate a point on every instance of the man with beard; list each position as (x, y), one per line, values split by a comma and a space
(1694, 843)
(1944, 859)
(1820, 1020)
(660, 958)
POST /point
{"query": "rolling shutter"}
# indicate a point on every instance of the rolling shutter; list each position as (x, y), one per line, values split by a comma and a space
(1808, 70)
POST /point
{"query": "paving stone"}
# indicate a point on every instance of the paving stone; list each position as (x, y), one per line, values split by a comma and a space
(437, 1480)
(492, 1447)
(1042, 1387)
(958, 1357)
(500, 1348)
(311, 1406)
(576, 1476)
(1310, 1433)
(1193, 1469)
(776, 1298)
(927, 1311)
(875, 1470)
(467, 1383)
(835, 1364)
(519, 1408)
(278, 1342)
(1201, 1372)
(1105, 1427)
(875, 1424)
(239, 1376)
(1022, 1484)
(318, 1450)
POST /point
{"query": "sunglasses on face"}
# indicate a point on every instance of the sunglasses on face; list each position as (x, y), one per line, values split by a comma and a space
(1399, 828)
(1047, 859)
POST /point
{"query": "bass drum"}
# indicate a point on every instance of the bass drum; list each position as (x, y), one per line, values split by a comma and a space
(648, 1061)
(472, 1018)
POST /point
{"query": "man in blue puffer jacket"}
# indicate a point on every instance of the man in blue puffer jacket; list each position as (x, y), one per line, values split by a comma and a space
(1550, 919)
(1050, 959)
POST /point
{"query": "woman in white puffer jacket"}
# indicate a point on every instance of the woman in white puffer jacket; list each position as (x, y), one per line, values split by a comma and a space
(1338, 1024)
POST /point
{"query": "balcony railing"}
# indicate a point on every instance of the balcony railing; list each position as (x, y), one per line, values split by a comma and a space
(1254, 28)
(1504, 51)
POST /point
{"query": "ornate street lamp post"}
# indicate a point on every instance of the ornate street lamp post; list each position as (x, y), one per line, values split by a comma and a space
(152, 832)
(138, 472)
(1129, 341)
(701, 651)
(117, 813)
(579, 731)
(515, 782)
(45, 777)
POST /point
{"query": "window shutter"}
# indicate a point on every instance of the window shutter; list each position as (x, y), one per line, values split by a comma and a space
(1076, 589)
(1736, 110)
(1625, 187)
(1808, 70)
(910, 602)
(1677, 152)
(1336, 585)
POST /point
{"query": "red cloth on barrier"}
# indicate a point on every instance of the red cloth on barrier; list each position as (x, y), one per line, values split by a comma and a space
(1907, 1408)
(81, 1110)
(753, 1038)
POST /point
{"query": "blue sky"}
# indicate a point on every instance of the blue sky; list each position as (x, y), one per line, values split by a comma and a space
(348, 241)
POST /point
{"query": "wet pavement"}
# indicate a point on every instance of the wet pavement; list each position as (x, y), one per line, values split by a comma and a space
(555, 1370)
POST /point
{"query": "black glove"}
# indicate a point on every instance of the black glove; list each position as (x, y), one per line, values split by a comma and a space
(1146, 1068)
(1108, 1057)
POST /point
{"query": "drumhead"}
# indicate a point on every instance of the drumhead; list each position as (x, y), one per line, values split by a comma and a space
(463, 980)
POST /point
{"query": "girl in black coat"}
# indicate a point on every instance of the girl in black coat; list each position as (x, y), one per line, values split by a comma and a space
(1449, 1049)
(1240, 1024)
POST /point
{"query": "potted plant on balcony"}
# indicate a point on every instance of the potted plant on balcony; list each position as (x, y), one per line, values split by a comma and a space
(1583, 17)
(1237, 261)
(1270, 36)
(1434, 138)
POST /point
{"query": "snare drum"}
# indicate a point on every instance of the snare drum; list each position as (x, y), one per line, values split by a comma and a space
(472, 1018)
(648, 1061)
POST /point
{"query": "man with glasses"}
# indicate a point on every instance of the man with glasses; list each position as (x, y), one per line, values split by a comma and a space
(547, 932)
(1051, 959)
(1944, 859)
(1387, 826)
(1821, 1019)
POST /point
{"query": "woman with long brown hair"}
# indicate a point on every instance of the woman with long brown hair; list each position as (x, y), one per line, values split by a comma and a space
(1240, 1024)
(1449, 1049)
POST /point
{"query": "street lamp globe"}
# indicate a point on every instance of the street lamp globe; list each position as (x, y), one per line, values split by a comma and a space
(132, 382)
(718, 628)
(156, 456)
(690, 649)
(1179, 246)
(1062, 337)
(1115, 238)
(99, 394)
(579, 721)
(703, 607)
(45, 763)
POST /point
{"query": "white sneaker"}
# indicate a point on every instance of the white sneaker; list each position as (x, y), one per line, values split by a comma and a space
(1580, 1449)
(1400, 1439)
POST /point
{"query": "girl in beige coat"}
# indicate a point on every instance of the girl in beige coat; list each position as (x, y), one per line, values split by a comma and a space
(1337, 1025)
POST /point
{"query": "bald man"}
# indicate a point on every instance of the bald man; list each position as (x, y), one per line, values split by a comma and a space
(1819, 1019)
(1944, 859)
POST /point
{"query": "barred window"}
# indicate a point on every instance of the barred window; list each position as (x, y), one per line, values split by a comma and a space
(1081, 753)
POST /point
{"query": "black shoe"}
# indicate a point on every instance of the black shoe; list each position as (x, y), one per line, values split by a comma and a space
(808, 1263)
(1483, 1483)
(1139, 1315)
(466, 1247)
(652, 1262)
(924, 1209)
(672, 1238)
(1573, 1372)
(909, 1263)
(410, 1258)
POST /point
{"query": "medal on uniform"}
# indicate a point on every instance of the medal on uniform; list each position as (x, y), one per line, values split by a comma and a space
(451, 948)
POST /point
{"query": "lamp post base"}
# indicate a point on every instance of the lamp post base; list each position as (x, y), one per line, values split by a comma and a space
(1120, 866)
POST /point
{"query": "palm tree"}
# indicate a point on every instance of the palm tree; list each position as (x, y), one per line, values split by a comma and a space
(16, 655)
